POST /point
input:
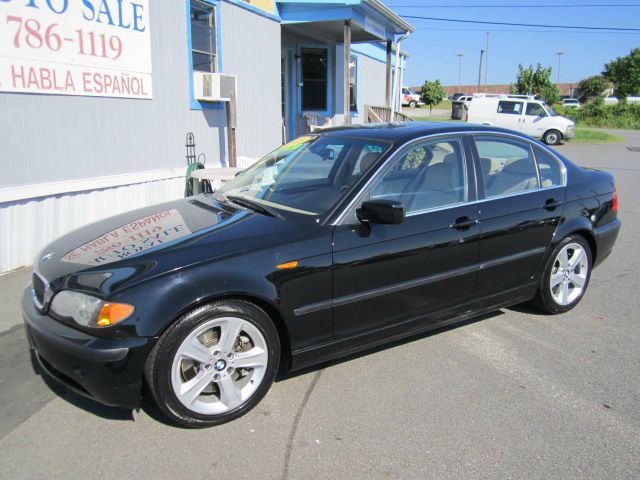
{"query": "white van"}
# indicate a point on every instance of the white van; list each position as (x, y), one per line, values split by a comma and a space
(410, 98)
(522, 113)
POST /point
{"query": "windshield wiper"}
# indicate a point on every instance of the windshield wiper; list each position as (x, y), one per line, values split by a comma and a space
(252, 205)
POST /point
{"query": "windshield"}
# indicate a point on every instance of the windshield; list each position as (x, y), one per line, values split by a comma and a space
(307, 176)
(550, 110)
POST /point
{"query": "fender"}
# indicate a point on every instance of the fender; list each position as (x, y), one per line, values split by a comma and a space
(581, 225)
(253, 277)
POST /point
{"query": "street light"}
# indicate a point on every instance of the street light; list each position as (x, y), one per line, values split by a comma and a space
(559, 57)
(459, 55)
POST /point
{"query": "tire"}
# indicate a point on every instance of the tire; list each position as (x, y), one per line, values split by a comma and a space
(413, 104)
(559, 290)
(552, 137)
(194, 371)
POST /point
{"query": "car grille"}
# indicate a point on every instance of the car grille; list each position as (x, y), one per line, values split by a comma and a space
(40, 291)
(39, 287)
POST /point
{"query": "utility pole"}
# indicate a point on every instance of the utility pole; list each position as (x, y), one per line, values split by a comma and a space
(480, 70)
(459, 55)
(559, 57)
(486, 62)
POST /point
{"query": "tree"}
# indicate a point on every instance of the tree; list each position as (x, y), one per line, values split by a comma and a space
(593, 88)
(536, 82)
(432, 94)
(624, 72)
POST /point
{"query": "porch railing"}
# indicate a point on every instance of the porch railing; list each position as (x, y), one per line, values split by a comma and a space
(382, 114)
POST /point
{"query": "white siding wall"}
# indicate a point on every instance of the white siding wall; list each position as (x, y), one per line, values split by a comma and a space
(28, 225)
(371, 91)
(47, 139)
(251, 48)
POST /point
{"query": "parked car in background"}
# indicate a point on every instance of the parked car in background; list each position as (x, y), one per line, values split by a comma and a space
(332, 244)
(521, 113)
(611, 100)
(571, 103)
(466, 99)
(455, 96)
(410, 98)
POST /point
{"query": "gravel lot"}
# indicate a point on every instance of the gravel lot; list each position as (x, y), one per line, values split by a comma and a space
(511, 395)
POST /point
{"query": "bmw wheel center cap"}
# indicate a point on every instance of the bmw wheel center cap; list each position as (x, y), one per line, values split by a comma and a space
(219, 365)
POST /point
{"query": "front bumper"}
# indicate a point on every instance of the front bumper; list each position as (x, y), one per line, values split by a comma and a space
(569, 133)
(109, 371)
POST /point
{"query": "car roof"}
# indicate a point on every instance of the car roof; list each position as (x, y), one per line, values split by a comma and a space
(405, 131)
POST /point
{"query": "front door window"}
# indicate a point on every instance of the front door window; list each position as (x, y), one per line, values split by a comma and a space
(430, 175)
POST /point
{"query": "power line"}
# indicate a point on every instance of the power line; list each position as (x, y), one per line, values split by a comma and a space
(573, 27)
(592, 5)
(520, 30)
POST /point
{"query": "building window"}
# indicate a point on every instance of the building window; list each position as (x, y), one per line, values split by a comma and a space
(353, 83)
(203, 36)
(314, 78)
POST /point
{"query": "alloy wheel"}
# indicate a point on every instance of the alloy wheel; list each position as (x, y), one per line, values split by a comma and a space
(219, 365)
(569, 274)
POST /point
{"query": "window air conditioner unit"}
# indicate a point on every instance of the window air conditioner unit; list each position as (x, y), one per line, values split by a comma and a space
(213, 87)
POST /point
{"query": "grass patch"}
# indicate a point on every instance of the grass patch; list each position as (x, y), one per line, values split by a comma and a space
(584, 135)
(599, 115)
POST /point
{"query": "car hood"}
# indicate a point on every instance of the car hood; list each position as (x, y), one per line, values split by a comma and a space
(113, 253)
(565, 120)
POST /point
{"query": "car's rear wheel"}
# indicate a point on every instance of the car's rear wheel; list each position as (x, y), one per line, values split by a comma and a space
(413, 104)
(214, 364)
(566, 276)
(552, 137)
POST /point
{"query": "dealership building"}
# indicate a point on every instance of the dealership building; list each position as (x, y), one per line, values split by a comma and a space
(98, 97)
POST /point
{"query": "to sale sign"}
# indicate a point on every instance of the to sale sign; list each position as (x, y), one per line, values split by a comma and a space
(135, 237)
(96, 48)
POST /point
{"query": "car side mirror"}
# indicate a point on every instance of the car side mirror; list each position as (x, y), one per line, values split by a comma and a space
(329, 154)
(389, 212)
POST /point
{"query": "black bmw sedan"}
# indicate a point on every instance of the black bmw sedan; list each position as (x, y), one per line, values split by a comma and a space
(331, 244)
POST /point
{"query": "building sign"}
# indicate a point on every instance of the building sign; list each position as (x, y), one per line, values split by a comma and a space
(99, 48)
(135, 237)
(268, 6)
(373, 27)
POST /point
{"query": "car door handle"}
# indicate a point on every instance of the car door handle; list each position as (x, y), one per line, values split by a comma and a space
(463, 223)
(551, 204)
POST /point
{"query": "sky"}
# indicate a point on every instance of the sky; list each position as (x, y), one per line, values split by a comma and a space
(434, 44)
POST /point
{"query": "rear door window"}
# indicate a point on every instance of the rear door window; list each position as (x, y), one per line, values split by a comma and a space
(551, 172)
(507, 166)
(510, 107)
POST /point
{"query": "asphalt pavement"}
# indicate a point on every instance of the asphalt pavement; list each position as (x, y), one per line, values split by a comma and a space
(513, 394)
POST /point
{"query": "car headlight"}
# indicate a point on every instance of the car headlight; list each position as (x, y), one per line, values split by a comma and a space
(89, 311)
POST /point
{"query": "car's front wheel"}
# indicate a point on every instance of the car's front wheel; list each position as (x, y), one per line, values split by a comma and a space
(566, 276)
(552, 137)
(214, 364)
(413, 104)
